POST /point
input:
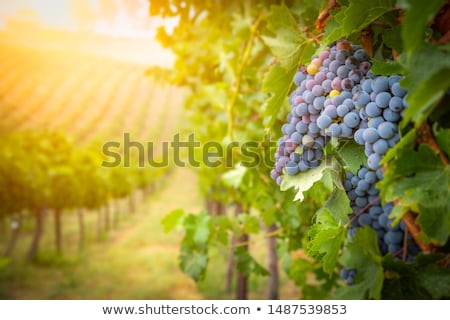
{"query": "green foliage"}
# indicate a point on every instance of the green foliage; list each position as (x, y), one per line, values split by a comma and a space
(171, 220)
(327, 172)
(422, 279)
(418, 180)
(417, 16)
(327, 236)
(240, 81)
(362, 253)
(354, 16)
(278, 82)
(352, 155)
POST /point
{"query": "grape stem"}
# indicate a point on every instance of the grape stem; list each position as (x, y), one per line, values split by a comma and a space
(405, 245)
(425, 136)
(244, 57)
(325, 14)
(414, 229)
(360, 212)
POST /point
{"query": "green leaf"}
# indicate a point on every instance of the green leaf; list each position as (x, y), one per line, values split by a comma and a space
(425, 97)
(203, 229)
(363, 254)
(443, 139)
(250, 224)
(246, 264)
(386, 68)
(338, 204)
(417, 16)
(422, 279)
(405, 142)
(233, 178)
(435, 280)
(392, 38)
(288, 44)
(418, 180)
(327, 236)
(278, 82)
(171, 220)
(352, 155)
(193, 264)
(354, 16)
(327, 172)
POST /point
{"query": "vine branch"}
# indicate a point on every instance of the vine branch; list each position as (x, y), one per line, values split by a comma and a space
(243, 61)
(360, 212)
(325, 15)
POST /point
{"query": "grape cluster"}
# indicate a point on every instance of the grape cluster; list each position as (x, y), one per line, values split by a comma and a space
(321, 106)
(381, 102)
(338, 96)
(367, 210)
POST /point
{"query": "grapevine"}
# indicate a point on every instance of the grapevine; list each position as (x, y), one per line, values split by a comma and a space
(349, 90)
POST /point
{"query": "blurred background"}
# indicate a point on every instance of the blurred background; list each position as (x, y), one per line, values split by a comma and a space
(75, 74)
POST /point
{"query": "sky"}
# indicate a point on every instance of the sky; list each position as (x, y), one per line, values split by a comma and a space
(115, 18)
(56, 13)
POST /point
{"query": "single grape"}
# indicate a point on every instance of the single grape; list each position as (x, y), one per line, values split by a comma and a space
(342, 110)
(396, 104)
(296, 137)
(380, 146)
(390, 115)
(370, 135)
(373, 109)
(397, 90)
(351, 120)
(373, 161)
(323, 121)
(334, 130)
(387, 130)
(383, 99)
(380, 84)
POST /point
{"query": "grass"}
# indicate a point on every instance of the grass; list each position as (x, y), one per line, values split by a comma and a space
(137, 260)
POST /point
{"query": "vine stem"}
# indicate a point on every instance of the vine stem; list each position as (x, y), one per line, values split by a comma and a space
(360, 212)
(266, 236)
(325, 14)
(405, 245)
(237, 84)
(414, 229)
(425, 136)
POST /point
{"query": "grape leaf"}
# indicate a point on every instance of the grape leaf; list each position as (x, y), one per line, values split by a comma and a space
(426, 81)
(193, 264)
(443, 139)
(351, 20)
(406, 141)
(171, 219)
(288, 44)
(327, 235)
(392, 38)
(249, 223)
(338, 204)
(425, 97)
(420, 181)
(327, 172)
(422, 279)
(352, 154)
(203, 229)
(417, 16)
(233, 178)
(246, 264)
(386, 68)
(278, 83)
(363, 254)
